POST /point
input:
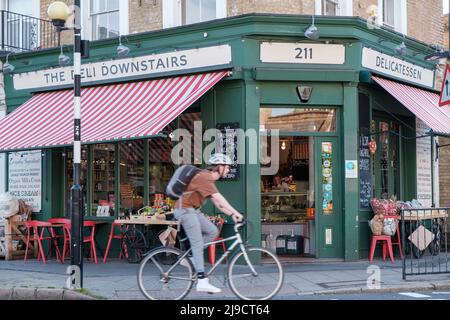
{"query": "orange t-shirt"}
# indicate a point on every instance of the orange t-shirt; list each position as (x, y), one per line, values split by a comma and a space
(202, 186)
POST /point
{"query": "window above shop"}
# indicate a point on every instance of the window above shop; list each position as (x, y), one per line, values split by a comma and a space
(393, 14)
(182, 12)
(334, 7)
(104, 19)
(298, 119)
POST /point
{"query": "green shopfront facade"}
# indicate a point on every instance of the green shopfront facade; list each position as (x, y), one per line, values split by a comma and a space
(271, 61)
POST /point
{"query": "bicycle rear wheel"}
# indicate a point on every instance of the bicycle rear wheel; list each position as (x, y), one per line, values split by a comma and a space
(155, 280)
(262, 284)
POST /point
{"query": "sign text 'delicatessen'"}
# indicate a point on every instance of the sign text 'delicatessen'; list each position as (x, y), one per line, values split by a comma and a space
(397, 68)
(126, 68)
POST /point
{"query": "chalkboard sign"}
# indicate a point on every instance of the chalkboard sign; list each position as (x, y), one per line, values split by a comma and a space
(227, 140)
(365, 177)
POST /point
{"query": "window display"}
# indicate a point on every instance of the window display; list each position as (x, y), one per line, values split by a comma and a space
(103, 179)
(131, 186)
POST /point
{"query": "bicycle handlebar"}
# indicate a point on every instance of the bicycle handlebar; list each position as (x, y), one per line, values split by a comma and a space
(239, 225)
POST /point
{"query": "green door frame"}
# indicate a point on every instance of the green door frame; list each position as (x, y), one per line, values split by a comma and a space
(329, 227)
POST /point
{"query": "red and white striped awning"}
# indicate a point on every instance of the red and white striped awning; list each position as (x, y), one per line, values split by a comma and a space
(424, 104)
(108, 113)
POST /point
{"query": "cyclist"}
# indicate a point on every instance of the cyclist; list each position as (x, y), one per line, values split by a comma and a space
(198, 228)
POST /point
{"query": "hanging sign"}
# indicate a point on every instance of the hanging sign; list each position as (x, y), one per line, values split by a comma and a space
(302, 53)
(397, 68)
(117, 70)
(25, 177)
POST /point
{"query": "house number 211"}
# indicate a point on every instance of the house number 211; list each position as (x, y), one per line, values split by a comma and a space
(303, 53)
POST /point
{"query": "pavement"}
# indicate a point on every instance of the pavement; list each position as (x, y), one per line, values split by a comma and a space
(117, 280)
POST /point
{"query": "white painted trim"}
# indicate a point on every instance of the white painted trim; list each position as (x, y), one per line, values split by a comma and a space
(221, 9)
(37, 9)
(86, 25)
(318, 7)
(171, 13)
(347, 9)
(403, 16)
(2, 4)
(124, 27)
(380, 19)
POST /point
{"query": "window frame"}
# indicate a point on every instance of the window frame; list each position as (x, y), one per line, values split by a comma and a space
(344, 7)
(400, 16)
(87, 22)
(173, 12)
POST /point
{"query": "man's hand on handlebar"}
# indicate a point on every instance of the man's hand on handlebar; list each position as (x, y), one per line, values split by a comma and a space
(237, 217)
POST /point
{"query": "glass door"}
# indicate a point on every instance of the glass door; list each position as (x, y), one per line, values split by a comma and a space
(328, 207)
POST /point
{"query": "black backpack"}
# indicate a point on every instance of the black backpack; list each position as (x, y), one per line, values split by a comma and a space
(180, 180)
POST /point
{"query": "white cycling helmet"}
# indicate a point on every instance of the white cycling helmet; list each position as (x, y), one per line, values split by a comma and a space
(219, 158)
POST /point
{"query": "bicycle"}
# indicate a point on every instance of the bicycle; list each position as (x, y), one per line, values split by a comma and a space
(162, 276)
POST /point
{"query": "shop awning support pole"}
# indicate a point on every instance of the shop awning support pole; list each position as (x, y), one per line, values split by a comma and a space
(432, 171)
(76, 252)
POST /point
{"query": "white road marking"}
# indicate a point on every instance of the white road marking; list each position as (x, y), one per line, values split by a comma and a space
(414, 295)
(435, 299)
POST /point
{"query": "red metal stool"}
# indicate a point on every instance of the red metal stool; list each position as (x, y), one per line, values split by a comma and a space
(38, 236)
(212, 250)
(397, 233)
(66, 235)
(113, 236)
(388, 243)
(90, 239)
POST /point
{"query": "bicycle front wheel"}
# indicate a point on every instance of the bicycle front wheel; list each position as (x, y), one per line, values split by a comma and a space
(160, 279)
(250, 279)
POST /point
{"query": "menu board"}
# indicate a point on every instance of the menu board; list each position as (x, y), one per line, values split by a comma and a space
(365, 177)
(365, 183)
(227, 140)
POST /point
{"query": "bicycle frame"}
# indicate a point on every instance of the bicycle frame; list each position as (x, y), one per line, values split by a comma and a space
(237, 242)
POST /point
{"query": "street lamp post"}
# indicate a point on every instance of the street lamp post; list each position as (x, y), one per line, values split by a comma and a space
(58, 12)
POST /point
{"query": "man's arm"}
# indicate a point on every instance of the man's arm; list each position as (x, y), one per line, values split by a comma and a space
(222, 204)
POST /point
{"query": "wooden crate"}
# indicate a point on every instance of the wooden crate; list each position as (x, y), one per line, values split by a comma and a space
(13, 233)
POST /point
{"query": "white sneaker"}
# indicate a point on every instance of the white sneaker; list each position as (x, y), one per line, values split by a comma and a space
(203, 285)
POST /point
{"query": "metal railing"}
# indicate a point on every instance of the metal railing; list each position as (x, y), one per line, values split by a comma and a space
(20, 33)
(424, 240)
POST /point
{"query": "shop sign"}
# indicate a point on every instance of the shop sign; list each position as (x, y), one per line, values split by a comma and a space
(115, 70)
(397, 68)
(351, 169)
(25, 177)
(302, 53)
(423, 154)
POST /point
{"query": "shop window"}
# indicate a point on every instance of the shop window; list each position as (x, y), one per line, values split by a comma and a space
(298, 119)
(161, 167)
(68, 155)
(131, 165)
(103, 195)
(22, 33)
(386, 164)
(104, 18)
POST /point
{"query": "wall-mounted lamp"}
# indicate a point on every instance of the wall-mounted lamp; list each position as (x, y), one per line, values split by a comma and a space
(8, 67)
(283, 145)
(304, 93)
(312, 32)
(63, 60)
(122, 51)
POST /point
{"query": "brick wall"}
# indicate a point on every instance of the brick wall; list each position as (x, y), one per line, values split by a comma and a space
(145, 15)
(360, 7)
(444, 173)
(238, 7)
(425, 20)
(445, 31)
